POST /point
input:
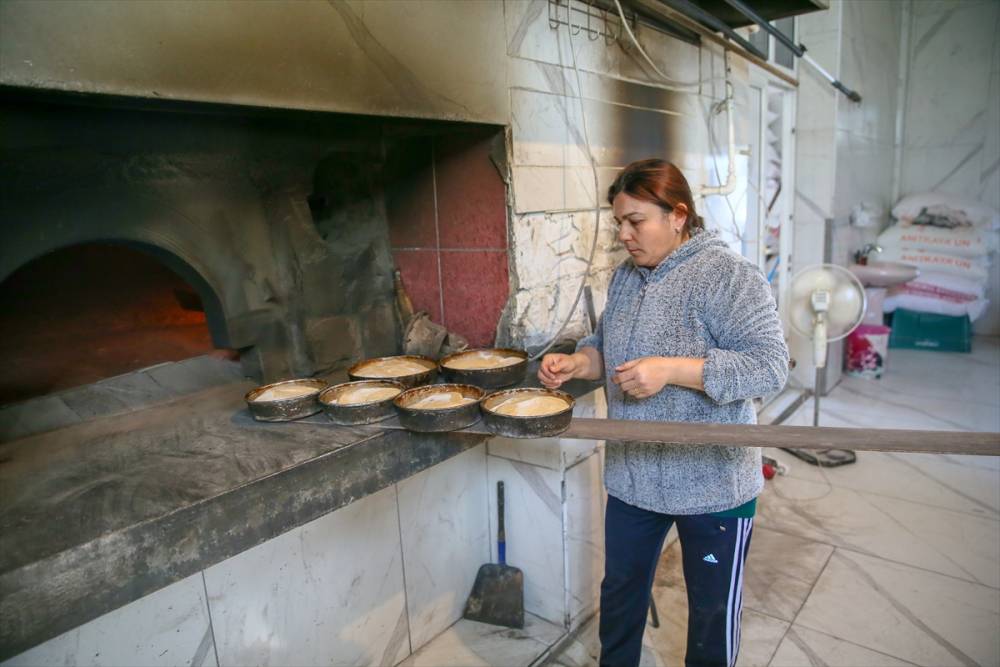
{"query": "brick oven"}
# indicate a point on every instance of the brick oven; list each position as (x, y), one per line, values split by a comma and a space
(137, 232)
(199, 197)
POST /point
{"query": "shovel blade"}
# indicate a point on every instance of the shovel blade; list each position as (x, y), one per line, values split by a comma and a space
(497, 596)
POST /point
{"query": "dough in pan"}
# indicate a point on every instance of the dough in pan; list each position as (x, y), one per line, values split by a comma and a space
(356, 395)
(283, 391)
(439, 401)
(482, 360)
(531, 406)
(392, 368)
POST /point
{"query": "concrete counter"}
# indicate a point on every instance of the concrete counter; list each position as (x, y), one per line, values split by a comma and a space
(97, 515)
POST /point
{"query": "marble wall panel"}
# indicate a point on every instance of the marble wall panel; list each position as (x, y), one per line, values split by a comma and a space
(953, 169)
(538, 128)
(929, 7)
(537, 189)
(949, 69)
(444, 521)
(952, 115)
(530, 37)
(814, 23)
(328, 592)
(168, 627)
(989, 178)
(863, 174)
(869, 63)
(585, 500)
(817, 99)
(534, 528)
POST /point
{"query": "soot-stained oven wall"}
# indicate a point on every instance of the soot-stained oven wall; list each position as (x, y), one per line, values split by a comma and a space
(277, 219)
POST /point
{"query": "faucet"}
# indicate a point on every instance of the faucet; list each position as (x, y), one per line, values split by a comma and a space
(861, 256)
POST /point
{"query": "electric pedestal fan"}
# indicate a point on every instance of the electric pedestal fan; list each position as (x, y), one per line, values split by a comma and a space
(827, 303)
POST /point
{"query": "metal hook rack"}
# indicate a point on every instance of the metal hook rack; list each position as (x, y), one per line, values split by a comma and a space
(587, 17)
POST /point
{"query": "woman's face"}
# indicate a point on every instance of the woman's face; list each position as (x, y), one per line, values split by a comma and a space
(648, 232)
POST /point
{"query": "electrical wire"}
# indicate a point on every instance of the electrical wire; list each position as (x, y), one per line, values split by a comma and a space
(714, 146)
(593, 162)
(597, 202)
(642, 52)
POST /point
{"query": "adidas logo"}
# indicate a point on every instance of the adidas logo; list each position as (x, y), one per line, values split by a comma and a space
(710, 558)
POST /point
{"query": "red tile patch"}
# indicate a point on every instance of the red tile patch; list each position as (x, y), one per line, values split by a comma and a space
(471, 203)
(476, 286)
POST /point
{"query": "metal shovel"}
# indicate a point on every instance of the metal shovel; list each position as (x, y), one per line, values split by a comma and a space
(497, 597)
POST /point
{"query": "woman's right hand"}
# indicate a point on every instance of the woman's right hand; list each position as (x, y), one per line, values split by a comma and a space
(557, 368)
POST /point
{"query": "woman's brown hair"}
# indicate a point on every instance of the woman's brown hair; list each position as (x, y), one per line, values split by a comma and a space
(659, 182)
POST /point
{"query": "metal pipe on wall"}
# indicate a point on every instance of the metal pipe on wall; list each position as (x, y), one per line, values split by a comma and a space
(798, 49)
(680, 19)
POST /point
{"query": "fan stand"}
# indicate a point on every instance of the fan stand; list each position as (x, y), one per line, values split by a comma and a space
(826, 458)
(833, 299)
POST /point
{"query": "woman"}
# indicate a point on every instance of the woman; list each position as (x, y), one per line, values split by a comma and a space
(690, 333)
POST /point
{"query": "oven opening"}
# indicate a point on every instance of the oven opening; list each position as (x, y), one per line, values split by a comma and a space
(88, 312)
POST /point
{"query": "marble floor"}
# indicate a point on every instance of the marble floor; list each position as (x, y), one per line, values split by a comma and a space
(473, 644)
(894, 560)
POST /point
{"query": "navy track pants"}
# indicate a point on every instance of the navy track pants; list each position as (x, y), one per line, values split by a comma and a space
(714, 552)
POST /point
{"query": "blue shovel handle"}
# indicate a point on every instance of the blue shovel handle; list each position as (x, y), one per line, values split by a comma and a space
(501, 535)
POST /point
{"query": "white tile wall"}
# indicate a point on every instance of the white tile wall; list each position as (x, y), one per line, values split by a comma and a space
(631, 114)
(815, 23)
(168, 627)
(817, 101)
(328, 592)
(952, 116)
(864, 173)
(950, 62)
(538, 124)
(534, 528)
(379, 578)
(585, 500)
(444, 517)
(953, 169)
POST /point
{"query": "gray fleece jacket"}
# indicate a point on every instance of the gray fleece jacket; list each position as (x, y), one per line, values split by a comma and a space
(702, 301)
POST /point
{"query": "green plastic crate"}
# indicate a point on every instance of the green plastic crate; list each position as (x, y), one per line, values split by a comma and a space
(926, 331)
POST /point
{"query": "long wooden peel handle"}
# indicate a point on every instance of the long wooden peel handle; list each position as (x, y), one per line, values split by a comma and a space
(795, 437)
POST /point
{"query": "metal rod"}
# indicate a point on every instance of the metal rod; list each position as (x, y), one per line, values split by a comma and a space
(683, 21)
(798, 49)
(698, 14)
(765, 25)
(816, 390)
(836, 83)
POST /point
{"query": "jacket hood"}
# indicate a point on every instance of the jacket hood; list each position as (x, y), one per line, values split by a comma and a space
(700, 241)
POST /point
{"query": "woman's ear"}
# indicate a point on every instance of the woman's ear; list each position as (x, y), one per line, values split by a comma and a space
(679, 215)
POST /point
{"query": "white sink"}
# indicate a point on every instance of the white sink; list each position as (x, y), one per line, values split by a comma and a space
(884, 274)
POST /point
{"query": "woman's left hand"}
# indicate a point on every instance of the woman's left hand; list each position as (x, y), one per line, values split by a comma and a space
(643, 377)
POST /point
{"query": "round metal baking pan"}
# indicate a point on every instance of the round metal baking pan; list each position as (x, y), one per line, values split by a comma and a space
(357, 371)
(441, 419)
(355, 414)
(286, 409)
(488, 378)
(543, 426)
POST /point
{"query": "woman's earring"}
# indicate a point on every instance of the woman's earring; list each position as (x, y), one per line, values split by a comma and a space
(677, 230)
